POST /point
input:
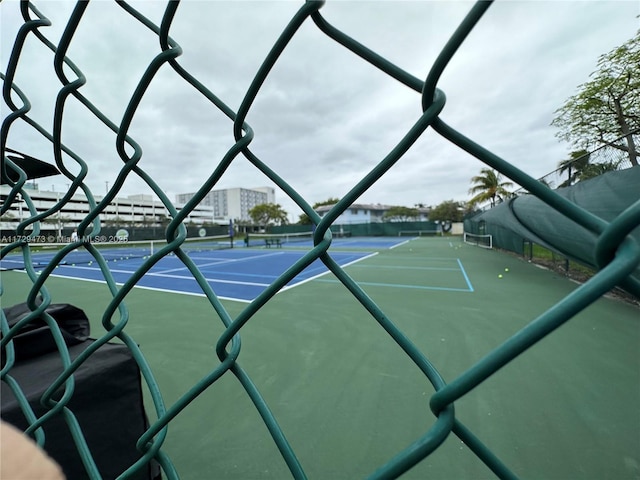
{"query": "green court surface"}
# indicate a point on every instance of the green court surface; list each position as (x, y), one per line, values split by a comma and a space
(348, 398)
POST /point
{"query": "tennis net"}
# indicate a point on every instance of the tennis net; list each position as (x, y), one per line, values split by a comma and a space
(277, 239)
(484, 241)
(88, 252)
(419, 233)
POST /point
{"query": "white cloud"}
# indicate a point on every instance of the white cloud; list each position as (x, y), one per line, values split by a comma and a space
(324, 117)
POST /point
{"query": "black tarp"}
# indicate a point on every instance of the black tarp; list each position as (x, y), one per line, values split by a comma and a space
(35, 337)
(107, 399)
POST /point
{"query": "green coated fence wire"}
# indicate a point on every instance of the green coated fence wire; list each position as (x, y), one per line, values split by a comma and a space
(617, 254)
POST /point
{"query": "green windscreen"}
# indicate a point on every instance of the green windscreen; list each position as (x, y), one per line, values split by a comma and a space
(530, 218)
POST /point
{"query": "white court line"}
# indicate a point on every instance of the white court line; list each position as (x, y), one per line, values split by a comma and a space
(220, 262)
(287, 287)
(96, 268)
(400, 244)
(180, 292)
(402, 267)
(183, 267)
(165, 290)
(214, 280)
(178, 277)
(359, 242)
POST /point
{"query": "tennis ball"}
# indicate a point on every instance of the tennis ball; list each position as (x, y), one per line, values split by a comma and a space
(506, 269)
(500, 276)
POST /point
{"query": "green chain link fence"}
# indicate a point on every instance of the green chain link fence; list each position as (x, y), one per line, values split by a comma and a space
(617, 254)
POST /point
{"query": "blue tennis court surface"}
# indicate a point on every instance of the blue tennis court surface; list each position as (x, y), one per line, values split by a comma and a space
(235, 274)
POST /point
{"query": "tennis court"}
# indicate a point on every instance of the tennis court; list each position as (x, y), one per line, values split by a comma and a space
(339, 385)
(237, 273)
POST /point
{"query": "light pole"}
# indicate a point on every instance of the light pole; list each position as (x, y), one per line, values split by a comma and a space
(19, 198)
(59, 217)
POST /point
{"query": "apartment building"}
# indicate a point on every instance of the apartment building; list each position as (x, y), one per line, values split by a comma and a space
(367, 213)
(232, 203)
(138, 210)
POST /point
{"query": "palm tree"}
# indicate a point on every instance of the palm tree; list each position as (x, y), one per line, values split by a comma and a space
(596, 169)
(579, 168)
(577, 162)
(488, 186)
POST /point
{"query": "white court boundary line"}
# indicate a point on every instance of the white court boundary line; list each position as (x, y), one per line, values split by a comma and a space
(288, 287)
(401, 243)
(177, 277)
(154, 289)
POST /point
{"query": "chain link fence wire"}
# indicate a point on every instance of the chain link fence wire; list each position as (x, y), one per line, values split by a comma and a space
(607, 158)
(617, 254)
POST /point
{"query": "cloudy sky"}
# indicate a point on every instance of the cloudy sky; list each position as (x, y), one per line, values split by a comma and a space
(324, 117)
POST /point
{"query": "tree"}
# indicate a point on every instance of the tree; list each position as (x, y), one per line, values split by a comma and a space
(401, 214)
(606, 107)
(595, 169)
(163, 220)
(268, 213)
(328, 201)
(488, 186)
(448, 210)
(574, 166)
(304, 218)
(579, 168)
